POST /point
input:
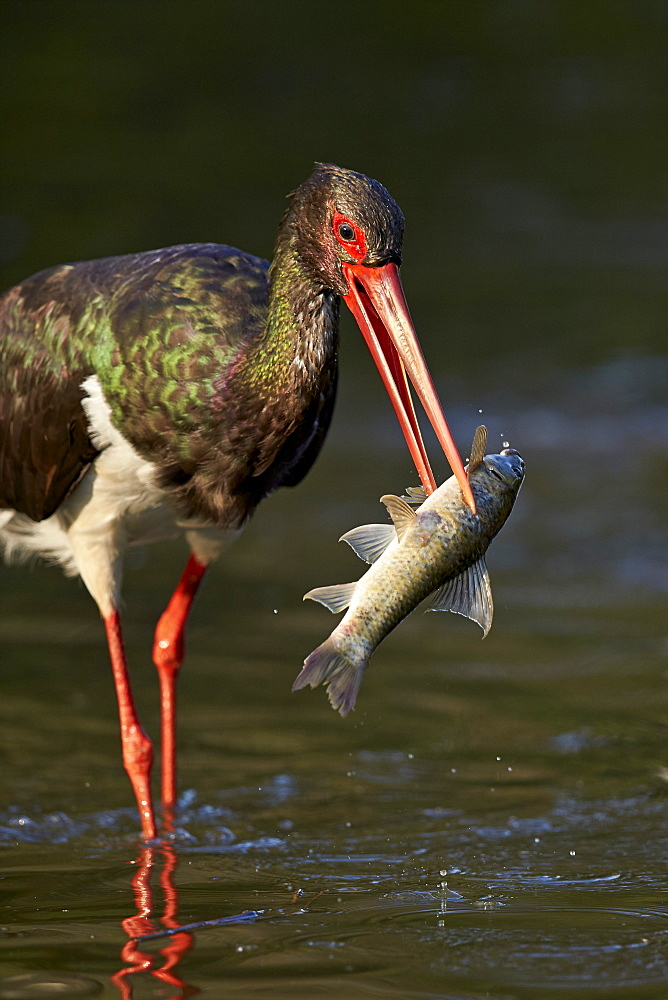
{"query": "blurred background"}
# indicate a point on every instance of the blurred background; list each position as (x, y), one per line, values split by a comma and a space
(523, 140)
(525, 143)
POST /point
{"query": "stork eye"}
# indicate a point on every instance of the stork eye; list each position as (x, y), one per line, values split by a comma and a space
(350, 236)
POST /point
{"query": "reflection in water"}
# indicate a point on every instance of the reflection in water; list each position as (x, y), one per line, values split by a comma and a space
(142, 923)
(141, 926)
(569, 891)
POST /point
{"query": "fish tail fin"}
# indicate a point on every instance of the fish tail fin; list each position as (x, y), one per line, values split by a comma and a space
(328, 665)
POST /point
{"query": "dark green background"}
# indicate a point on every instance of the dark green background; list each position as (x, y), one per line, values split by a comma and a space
(525, 142)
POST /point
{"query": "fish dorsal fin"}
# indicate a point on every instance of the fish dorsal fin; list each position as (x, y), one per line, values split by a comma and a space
(415, 494)
(402, 514)
(469, 594)
(335, 599)
(477, 448)
(369, 541)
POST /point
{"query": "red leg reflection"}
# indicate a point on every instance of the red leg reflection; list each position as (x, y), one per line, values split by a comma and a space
(142, 922)
(136, 925)
(168, 656)
(179, 944)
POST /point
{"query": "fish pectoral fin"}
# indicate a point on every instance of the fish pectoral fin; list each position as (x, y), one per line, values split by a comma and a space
(469, 594)
(477, 449)
(369, 541)
(335, 599)
(402, 514)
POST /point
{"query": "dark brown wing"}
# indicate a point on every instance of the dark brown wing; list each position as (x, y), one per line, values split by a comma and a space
(44, 444)
(159, 329)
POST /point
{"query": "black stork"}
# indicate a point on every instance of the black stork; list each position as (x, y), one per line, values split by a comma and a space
(170, 391)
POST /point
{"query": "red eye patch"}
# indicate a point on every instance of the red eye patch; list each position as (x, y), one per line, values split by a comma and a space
(350, 236)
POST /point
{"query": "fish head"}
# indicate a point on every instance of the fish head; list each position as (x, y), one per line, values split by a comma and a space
(507, 467)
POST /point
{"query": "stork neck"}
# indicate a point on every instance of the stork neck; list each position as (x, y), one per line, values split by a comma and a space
(301, 332)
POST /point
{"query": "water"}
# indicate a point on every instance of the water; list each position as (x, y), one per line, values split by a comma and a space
(490, 822)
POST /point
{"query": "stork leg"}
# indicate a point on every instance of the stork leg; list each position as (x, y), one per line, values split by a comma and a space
(168, 656)
(136, 746)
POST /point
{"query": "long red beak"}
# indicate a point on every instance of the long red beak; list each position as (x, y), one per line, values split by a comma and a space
(376, 300)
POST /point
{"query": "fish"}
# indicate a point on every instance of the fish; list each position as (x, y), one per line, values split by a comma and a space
(436, 550)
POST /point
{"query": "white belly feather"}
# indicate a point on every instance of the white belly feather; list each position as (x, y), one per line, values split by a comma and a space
(116, 504)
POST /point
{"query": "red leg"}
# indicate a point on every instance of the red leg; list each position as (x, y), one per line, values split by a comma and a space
(136, 746)
(168, 656)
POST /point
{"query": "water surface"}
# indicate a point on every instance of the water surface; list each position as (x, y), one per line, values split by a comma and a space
(489, 822)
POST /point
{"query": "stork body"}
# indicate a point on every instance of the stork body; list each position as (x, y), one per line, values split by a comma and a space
(168, 392)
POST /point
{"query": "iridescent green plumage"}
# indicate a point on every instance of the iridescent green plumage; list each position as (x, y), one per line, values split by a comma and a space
(192, 372)
(156, 329)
